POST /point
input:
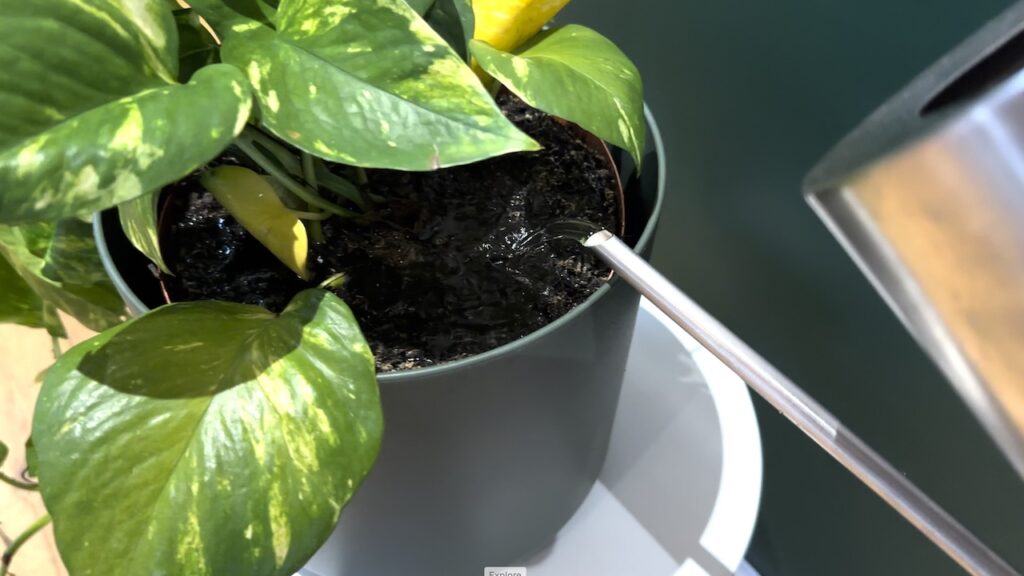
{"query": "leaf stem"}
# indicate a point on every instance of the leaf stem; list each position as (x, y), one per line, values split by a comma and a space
(362, 180)
(55, 343)
(311, 216)
(12, 549)
(316, 229)
(279, 152)
(336, 281)
(339, 185)
(18, 483)
(308, 170)
(289, 183)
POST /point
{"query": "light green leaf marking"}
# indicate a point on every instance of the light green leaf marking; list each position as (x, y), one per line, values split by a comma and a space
(139, 221)
(102, 120)
(372, 62)
(579, 75)
(207, 438)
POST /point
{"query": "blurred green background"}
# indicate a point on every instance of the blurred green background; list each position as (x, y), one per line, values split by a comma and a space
(749, 95)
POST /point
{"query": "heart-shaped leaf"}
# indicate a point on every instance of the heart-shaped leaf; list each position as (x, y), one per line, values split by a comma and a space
(60, 264)
(139, 222)
(369, 83)
(93, 115)
(579, 75)
(253, 202)
(207, 438)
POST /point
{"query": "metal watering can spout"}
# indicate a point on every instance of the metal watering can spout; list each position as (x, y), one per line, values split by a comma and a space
(815, 421)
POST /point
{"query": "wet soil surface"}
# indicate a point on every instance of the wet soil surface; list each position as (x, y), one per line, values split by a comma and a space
(437, 275)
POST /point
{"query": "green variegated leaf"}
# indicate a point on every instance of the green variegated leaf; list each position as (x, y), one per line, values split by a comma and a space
(18, 303)
(576, 74)
(125, 148)
(92, 115)
(71, 255)
(421, 6)
(454, 21)
(222, 14)
(369, 83)
(3, 453)
(122, 47)
(196, 46)
(31, 458)
(207, 438)
(139, 222)
(60, 264)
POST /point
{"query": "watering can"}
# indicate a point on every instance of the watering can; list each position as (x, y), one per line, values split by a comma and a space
(927, 196)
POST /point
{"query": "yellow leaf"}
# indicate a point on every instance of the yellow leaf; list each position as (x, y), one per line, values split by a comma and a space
(507, 24)
(252, 201)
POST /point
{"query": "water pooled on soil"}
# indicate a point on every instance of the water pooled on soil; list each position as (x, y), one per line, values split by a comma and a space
(567, 229)
(441, 274)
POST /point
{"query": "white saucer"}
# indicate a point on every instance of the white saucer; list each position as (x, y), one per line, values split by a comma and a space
(679, 492)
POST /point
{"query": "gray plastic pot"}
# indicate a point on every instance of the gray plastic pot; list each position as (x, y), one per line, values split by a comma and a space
(484, 459)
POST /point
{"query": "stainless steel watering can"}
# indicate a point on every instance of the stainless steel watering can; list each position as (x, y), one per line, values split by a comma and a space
(927, 196)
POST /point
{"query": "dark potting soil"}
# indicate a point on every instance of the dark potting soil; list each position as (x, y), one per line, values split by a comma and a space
(436, 277)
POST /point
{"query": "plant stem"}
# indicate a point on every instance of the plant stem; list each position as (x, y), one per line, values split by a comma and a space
(316, 229)
(336, 281)
(12, 549)
(311, 216)
(18, 483)
(339, 185)
(289, 183)
(55, 343)
(362, 181)
(279, 152)
(314, 223)
(308, 171)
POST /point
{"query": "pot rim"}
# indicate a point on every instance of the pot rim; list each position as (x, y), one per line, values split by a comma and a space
(137, 307)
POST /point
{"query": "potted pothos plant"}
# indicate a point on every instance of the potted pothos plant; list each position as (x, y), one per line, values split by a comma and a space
(329, 196)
